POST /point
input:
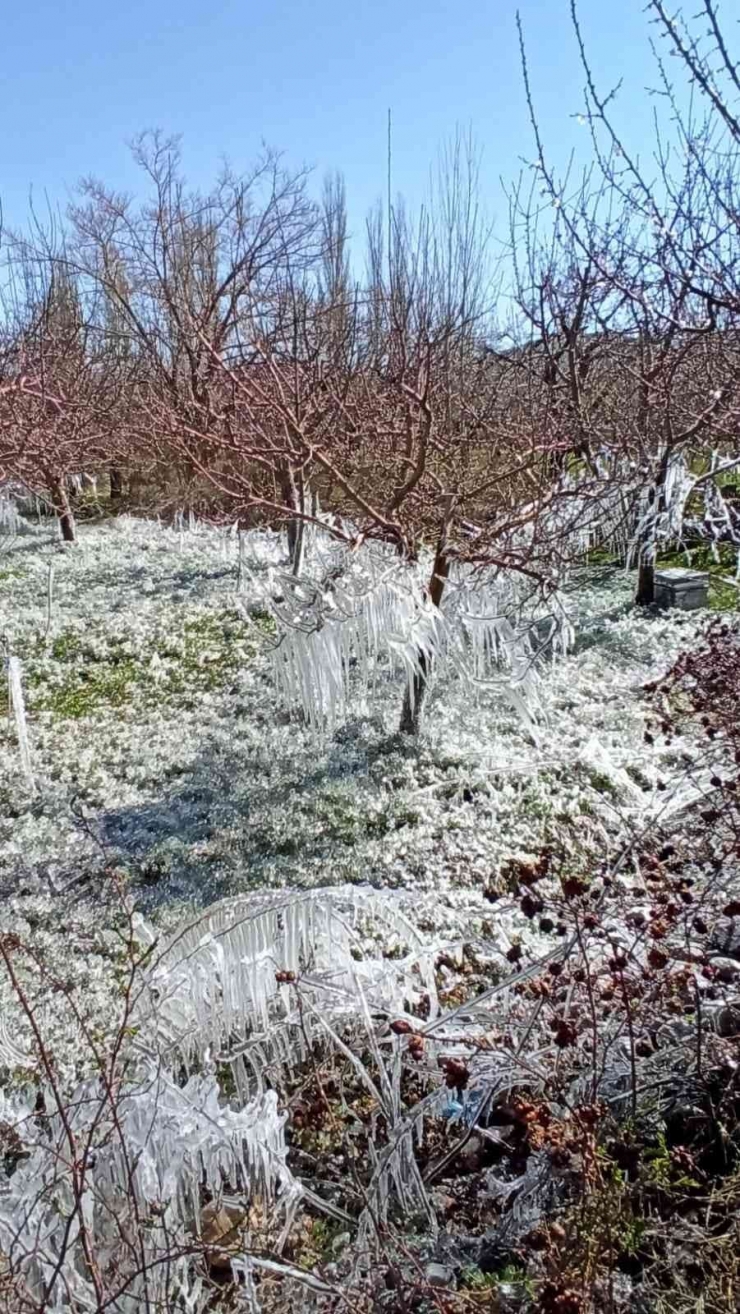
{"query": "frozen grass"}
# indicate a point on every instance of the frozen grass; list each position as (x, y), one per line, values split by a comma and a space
(158, 747)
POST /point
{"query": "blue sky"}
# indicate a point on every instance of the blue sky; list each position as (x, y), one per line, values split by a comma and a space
(313, 79)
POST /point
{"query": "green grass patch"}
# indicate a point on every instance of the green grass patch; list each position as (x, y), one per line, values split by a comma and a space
(601, 556)
(8, 573)
(67, 646)
(208, 650)
(201, 654)
(93, 687)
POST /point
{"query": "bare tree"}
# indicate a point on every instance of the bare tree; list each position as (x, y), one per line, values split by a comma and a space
(63, 416)
(179, 273)
(657, 247)
(417, 432)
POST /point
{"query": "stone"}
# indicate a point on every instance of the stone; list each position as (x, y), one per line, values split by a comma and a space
(728, 1021)
(340, 1243)
(725, 937)
(439, 1275)
(727, 969)
(679, 587)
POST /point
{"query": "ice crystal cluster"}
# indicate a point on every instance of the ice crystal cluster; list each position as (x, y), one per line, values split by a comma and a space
(150, 1154)
(341, 636)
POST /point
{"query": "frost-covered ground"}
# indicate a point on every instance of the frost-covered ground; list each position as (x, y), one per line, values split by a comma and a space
(159, 748)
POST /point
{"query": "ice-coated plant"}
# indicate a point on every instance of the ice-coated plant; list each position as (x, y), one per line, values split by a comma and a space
(105, 1208)
(365, 616)
(218, 988)
(105, 1205)
(11, 522)
(637, 515)
(18, 712)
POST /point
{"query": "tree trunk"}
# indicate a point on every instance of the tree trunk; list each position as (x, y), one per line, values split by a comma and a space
(645, 595)
(136, 488)
(296, 530)
(414, 699)
(62, 508)
(116, 484)
(416, 692)
(292, 492)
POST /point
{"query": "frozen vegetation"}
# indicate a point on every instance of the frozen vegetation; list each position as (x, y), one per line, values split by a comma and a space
(159, 747)
(370, 871)
(294, 886)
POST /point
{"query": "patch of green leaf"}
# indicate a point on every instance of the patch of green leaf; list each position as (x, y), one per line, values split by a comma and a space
(473, 1279)
(317, 1244)
(601, 782)
(635, 773)
(532, 802)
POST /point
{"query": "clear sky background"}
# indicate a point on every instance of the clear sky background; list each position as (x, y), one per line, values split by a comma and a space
(314, 79)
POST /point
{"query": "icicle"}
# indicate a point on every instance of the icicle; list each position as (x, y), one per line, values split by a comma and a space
(18, 708)
(333, 638)
(49, 599)
(11, 1055)
(171, 1166)
(241, 568)
(10, 521)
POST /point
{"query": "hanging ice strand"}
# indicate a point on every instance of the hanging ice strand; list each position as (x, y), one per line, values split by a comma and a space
(18, 711)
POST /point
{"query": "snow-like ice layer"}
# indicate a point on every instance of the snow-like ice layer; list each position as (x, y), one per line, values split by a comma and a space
(198, 787)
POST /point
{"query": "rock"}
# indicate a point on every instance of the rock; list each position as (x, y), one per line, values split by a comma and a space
(728, 1020)
(512, 1296)
(471, 1151)
(725, 937)
(439, 1275)
(726, 968)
